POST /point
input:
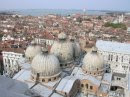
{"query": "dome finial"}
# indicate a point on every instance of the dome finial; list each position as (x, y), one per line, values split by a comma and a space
(72, 38)
(46, 66)
(93, 63)
(94, 49)
(62, 36)
(33, 43)
(44, 50)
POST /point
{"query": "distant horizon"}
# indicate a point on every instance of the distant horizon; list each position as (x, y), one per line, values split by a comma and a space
(110, 5)
(63, 9)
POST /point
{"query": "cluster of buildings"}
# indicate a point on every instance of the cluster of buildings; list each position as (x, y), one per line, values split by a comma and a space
(63, 70)
(37, 59)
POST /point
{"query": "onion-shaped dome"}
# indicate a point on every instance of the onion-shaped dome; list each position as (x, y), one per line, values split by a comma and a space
(32, 50)
(46, 65)
(63, 49)
(93, 63)
(76, 47)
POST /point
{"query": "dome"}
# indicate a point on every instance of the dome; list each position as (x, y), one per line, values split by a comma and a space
(64, 51)
(62, 36)
(32, 50)
(76, 47)
(93, 62)
(47, 65)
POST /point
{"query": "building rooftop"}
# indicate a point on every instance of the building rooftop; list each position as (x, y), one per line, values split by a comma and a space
(42, 90)
(113, 46)
(12, 88)
(56, 95)
(66, 84)
(78, 73)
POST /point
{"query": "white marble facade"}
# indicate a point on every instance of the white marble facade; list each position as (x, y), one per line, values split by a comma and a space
(44, 41)
(10, 61)
(118, 60)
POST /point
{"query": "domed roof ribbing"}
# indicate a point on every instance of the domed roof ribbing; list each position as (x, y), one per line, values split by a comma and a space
(93, 61)
(63, 49)
(47, 65)
(32, 50)
(76, 46)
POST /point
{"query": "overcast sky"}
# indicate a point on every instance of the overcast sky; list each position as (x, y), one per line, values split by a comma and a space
(66, 4)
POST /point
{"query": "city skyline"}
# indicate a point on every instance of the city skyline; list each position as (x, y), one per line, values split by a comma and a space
(114, 5)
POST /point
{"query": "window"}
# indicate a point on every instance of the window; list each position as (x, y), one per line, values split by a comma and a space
(82, 85)
(23, 55)
(91, 87)
(54, 78)
(109, 57)
(122, 59)
(87, 86)
(43, 80)
(116, 58)
(29, 58)
(49, 79)
(107, 71)
(37, 77)
(118, 78)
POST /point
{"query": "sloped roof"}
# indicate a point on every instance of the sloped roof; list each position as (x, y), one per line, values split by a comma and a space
(12, 88)
(66, 84)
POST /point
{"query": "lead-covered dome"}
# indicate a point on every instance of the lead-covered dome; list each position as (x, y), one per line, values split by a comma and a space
(32, 50)
(46, 65)
(63, 49)
(76, 47)
(93, 63)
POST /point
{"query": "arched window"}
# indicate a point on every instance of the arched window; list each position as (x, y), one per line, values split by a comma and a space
(43, 80)
(82, 85)
(109, 57)
(37, 77)
(54, 78)
(122, 59)
(91, 87)
(87, 86)
(49, 79)
(117, 58)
